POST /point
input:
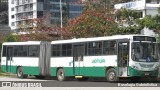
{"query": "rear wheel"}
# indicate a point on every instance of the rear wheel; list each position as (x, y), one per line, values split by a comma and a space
(20, 73)
(61, 75)
(111, 75)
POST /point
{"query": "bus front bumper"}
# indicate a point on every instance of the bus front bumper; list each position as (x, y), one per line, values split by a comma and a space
(139, 73)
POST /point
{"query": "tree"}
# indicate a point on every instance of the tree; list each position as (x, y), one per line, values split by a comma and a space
(97, 19)
(126, 17)
(11, 38)
(151, 22)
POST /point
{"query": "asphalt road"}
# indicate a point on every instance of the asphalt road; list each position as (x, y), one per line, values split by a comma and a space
(52, 82)
(31, 82)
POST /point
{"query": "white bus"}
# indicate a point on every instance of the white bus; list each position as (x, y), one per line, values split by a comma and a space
(112, 57)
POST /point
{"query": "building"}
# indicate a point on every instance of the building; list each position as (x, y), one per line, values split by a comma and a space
(146, 7)
(23, 10)
(70, 9)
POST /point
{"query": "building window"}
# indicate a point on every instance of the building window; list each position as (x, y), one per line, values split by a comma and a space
(12, 2)
(12, 24)
(12, 9)
(12, 16)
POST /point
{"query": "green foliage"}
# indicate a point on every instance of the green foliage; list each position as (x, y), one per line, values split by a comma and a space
(11, 38)
(146, 22)
(150, 22)
(125, 16)
(95, 20)
(126, 30)
(159, 9)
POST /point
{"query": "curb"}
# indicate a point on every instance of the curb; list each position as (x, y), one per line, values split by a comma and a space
(7, 74)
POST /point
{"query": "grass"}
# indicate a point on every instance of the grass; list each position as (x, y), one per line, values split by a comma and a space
(1, 72)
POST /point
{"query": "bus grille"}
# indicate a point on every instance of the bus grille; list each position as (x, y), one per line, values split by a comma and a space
(146, 65)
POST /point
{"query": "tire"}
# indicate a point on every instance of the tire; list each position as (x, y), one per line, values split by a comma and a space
(83, 79)
(20, 73)
(111, 75)
(61, 75)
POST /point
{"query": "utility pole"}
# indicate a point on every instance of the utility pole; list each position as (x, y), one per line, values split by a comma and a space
(145, 11)
(61, 18)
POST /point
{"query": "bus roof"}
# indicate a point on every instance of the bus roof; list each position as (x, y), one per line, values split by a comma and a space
(76, 40)
(23, 43)
(96, 38)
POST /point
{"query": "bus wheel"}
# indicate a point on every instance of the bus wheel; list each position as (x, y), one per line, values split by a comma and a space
(20, 73)
(61, 75)
(111, 75)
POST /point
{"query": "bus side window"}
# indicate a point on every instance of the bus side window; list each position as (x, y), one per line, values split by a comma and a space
(94, 48)
(109, 47)
(4, 51)
(33, 51)
(56, 50)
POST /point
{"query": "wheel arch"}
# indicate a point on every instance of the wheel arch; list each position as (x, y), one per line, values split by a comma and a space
(17, 68)
(111, 68)
(58, 69)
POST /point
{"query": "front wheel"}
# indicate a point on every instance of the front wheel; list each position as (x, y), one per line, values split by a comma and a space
(20, 73)
(111, 75)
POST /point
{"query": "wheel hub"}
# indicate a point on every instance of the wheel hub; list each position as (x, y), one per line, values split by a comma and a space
(112, 76)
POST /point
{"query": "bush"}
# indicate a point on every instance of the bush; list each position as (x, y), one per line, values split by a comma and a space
(11, 38)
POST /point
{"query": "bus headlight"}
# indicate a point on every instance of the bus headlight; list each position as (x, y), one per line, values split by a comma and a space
(156, 66)
(135, 67)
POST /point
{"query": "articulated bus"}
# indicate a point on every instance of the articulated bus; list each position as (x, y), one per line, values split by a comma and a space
(111, 57)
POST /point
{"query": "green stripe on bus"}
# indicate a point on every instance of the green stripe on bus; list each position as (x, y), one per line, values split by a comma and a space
(26, 70)
(84, 71)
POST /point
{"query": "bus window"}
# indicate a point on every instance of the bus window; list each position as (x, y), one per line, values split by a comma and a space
(33, 51)
(4, 51)
(56, 50)
(15, 51)
(66, 49)
(22, 51)
(109, 47)
(94, 48)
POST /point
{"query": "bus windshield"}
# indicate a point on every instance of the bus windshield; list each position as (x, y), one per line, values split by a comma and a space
(144, 52)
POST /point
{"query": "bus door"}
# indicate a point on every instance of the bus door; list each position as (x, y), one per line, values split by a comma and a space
(9, 58)
(123, 58)
(78, 52)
